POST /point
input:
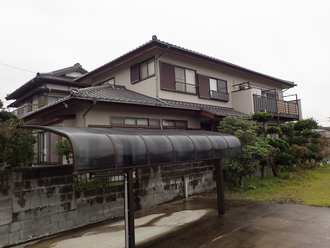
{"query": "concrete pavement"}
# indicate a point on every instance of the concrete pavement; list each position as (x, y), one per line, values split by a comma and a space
(195, 223)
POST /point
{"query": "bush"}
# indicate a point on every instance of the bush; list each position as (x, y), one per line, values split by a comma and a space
(286, 160)
(16, 144)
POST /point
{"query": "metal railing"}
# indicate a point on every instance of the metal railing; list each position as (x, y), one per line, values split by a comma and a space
(26, 108)
(106, 179)
(219, 96)
(184, 87)
(275, 106)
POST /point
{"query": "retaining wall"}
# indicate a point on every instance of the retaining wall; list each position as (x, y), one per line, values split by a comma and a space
(38, 202)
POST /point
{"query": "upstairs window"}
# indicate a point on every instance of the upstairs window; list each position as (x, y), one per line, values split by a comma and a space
(142, 70)
(218, 85)
(177, 78)
(213, 88)
(185, 80)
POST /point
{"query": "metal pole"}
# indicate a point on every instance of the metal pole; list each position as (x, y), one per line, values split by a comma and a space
(129, 215)
(220, 187)
(126, 213)
(130, 209)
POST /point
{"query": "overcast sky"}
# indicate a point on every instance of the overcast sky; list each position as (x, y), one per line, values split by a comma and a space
(287, 39)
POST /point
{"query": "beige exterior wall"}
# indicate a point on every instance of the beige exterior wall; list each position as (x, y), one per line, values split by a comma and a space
(74, 74)
(243, 101)
(59, 87)
(121, 73)
(100, 115)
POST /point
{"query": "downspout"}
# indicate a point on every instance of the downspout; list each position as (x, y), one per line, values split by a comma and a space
(83, 116)
(156, 69)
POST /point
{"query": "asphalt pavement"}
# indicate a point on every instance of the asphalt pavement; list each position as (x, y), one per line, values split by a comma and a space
(195, 223)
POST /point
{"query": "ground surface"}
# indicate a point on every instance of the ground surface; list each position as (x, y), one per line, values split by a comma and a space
(195, 223)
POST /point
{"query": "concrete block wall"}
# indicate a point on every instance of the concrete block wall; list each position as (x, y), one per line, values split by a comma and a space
(160, 184)
(39, 199)
(38, 202)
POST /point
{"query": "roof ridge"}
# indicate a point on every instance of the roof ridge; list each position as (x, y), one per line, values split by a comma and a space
(156, 40)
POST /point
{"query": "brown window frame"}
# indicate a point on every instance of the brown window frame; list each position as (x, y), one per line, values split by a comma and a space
(205, 91)
(186, 85)
(168, 79)
(135, 71)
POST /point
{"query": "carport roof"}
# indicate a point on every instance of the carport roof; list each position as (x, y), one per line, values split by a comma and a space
(100, 149)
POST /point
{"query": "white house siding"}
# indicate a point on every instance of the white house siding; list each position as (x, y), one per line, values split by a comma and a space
(243, 101)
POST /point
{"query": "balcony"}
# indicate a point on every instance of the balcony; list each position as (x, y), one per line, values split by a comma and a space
(276, 106)
(26, 108)
(219, 96)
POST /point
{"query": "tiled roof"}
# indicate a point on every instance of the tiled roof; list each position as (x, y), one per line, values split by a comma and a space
(55, 76)
(155, 40)
(116, 93)
(216, 110)
(119, 94)
(75, 68)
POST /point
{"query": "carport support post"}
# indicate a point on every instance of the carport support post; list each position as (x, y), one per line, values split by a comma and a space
(220, 186)
(130, 201)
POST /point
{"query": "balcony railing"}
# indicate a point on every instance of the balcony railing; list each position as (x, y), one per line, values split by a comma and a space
(184, 87)
(275, 106)
(26, 108)
(219, 96)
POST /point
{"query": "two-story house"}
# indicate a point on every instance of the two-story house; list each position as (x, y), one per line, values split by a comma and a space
(163, 86)
(45, 88)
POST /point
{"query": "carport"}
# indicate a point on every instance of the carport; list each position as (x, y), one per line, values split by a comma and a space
(105, 149)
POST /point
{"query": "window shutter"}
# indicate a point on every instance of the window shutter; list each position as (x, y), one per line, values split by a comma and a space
(204, 86)
(167, 76)
(135, 75)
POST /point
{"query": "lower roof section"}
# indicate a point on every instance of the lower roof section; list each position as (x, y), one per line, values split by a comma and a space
(99, 149)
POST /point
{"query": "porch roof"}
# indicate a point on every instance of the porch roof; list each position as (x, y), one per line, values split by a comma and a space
(100, 149)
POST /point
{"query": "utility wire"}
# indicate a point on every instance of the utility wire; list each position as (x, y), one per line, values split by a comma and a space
(17, 68)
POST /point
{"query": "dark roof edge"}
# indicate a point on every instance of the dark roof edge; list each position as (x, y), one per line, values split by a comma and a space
(66, 80)
(75, 68)
(165, 44)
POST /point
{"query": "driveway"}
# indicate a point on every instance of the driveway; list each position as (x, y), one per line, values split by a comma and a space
(195, 223)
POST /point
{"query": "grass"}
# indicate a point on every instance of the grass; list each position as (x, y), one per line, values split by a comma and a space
(308, 187)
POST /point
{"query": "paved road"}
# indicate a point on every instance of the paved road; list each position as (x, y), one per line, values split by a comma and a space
(195, 223)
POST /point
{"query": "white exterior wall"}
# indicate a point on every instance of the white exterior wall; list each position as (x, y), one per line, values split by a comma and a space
(100, 115)
(74, 74)
(243, 101)
(148, 86)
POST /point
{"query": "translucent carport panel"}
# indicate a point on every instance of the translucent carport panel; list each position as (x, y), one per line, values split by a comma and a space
(183, 147)
(221, 149)
(160, 149)
(93, 151)
(131, 150)
(235, 147)
(204, 148)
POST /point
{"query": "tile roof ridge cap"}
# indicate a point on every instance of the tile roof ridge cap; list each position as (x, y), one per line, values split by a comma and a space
(101, 87)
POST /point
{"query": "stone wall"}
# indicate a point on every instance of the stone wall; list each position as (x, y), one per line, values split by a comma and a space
(38, 202)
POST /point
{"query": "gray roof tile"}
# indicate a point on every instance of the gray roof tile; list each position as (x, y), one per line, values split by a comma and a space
(119, 94)
(155, 40)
